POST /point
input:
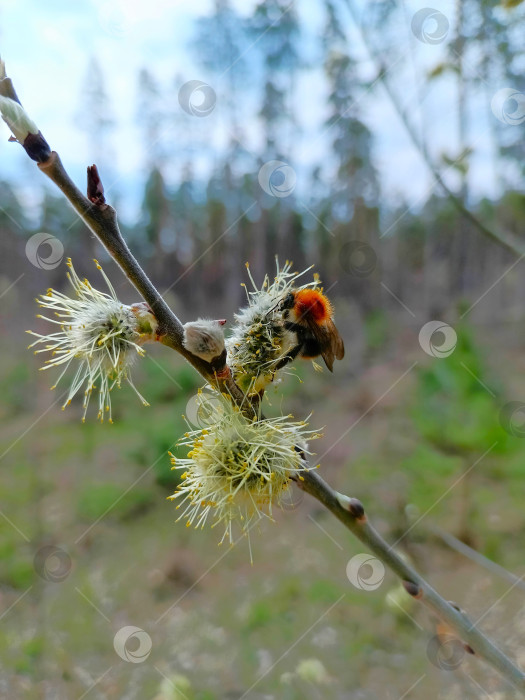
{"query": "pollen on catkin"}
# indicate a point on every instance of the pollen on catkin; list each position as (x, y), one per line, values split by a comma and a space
(98, 333)
(259, 341)
(238, 470)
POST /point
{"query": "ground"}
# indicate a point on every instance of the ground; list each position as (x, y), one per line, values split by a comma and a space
(290, 625)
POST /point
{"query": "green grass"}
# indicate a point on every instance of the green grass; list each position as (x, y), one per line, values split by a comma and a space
(99, 491)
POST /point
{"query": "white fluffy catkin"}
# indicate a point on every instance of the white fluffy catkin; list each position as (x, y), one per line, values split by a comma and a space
(204, 338)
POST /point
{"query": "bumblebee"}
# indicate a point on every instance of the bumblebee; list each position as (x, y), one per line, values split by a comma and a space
(308, 317)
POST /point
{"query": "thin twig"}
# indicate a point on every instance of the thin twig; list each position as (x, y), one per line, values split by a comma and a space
(477, 557)
(354, 518)
(507, 240)
(101, 219)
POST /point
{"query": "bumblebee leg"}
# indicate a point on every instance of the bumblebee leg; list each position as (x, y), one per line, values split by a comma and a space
(292, 354)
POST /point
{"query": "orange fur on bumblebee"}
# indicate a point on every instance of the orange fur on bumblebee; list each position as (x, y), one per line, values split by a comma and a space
(308, 314)
(313, 303)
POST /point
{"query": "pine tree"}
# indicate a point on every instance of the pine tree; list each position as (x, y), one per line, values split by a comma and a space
(275, 27)
(94, 117)
(350, 138)
(151, 116)
(218, 45)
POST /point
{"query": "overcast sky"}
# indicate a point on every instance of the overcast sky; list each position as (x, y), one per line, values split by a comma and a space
(47, 46)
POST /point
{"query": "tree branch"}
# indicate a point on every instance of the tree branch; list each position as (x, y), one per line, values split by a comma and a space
(351, 513)
(507, 240)
(477, 557)
(101, 219)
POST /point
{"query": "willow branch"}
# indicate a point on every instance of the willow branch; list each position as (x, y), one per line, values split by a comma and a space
(101, 219)
(507, 240)
(351, 513)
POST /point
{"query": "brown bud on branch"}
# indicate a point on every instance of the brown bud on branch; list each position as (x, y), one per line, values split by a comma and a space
(412, 589)
(95, 188)
(352, 505)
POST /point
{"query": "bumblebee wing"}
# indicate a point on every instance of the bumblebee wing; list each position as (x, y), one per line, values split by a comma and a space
(337, 342)
(329, 340)
(328, 357)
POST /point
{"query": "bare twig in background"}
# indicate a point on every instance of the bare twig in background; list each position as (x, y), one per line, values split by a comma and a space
(354, 518)
(477, 557)
(507, 240)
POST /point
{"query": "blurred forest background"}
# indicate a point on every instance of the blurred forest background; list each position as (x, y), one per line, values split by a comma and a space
(413, 436)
